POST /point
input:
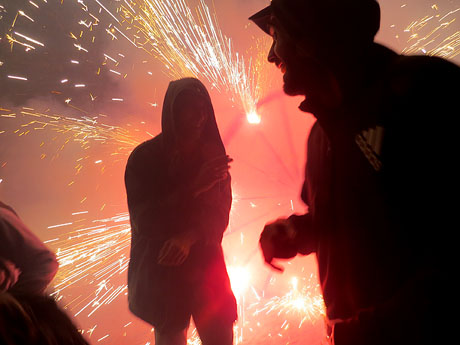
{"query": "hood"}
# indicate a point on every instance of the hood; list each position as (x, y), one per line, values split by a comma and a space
(210, 140)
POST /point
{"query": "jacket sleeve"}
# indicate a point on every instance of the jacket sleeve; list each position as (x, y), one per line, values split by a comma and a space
(305, 236)
(302, 223)
(19, 245)
(212, 218)
(151, 208)
(315, 191)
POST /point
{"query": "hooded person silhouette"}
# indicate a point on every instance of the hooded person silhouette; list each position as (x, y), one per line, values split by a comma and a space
(379, 172)
(179, 198)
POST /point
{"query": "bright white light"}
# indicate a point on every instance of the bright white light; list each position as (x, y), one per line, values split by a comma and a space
(16, 77)
(253, 118)
(239, 279)
(29, 39)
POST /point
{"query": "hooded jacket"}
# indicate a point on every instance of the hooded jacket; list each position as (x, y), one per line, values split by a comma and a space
(162, 205)
(378, 182)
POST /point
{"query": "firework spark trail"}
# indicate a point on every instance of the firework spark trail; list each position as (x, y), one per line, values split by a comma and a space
(191, 45)
(82, 40)
(187, 45)
(97, 251)
(306, 303)
(428, 35)
(86, 131)
(83, 129)
(94, 255)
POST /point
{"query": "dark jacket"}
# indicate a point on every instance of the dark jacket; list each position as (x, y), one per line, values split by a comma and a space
(161, 205)
(378, 182)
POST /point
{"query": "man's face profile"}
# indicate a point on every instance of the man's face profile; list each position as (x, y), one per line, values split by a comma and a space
(283, 55)
(301, 68)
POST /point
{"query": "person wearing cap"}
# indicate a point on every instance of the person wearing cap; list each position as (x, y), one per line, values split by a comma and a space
(379, 178)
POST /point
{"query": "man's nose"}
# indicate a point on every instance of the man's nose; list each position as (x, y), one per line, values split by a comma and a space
(271, 54)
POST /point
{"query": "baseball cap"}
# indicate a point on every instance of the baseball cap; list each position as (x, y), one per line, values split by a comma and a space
(262, 19)
(361, 17)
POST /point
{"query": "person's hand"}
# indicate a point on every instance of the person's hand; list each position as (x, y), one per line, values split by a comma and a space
(176, 250)
(211, 173)
(277, 240)
(9, 275)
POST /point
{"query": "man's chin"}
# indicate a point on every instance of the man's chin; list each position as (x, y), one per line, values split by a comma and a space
(291, 87)
(292, 90)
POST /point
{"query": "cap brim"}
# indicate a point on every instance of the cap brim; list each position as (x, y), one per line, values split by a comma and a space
(262, 19)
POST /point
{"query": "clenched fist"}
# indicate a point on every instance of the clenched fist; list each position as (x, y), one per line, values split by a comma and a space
(277, 240)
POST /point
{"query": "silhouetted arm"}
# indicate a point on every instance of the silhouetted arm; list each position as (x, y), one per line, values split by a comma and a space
(212, 218)
(305, 236)
(315, 190)
(151, 206)
(9, 274)
(36, 263)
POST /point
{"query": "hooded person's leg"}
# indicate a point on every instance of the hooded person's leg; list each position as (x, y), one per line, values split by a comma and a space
(216, 330)
(214, 308)
(173, 329)
(171, 337)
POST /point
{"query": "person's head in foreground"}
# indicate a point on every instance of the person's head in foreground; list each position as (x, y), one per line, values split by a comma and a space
(316, 44)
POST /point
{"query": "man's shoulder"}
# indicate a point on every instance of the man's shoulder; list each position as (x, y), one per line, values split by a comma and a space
(149, 147)
(416, 63)
(417, 72)
(420, 99)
